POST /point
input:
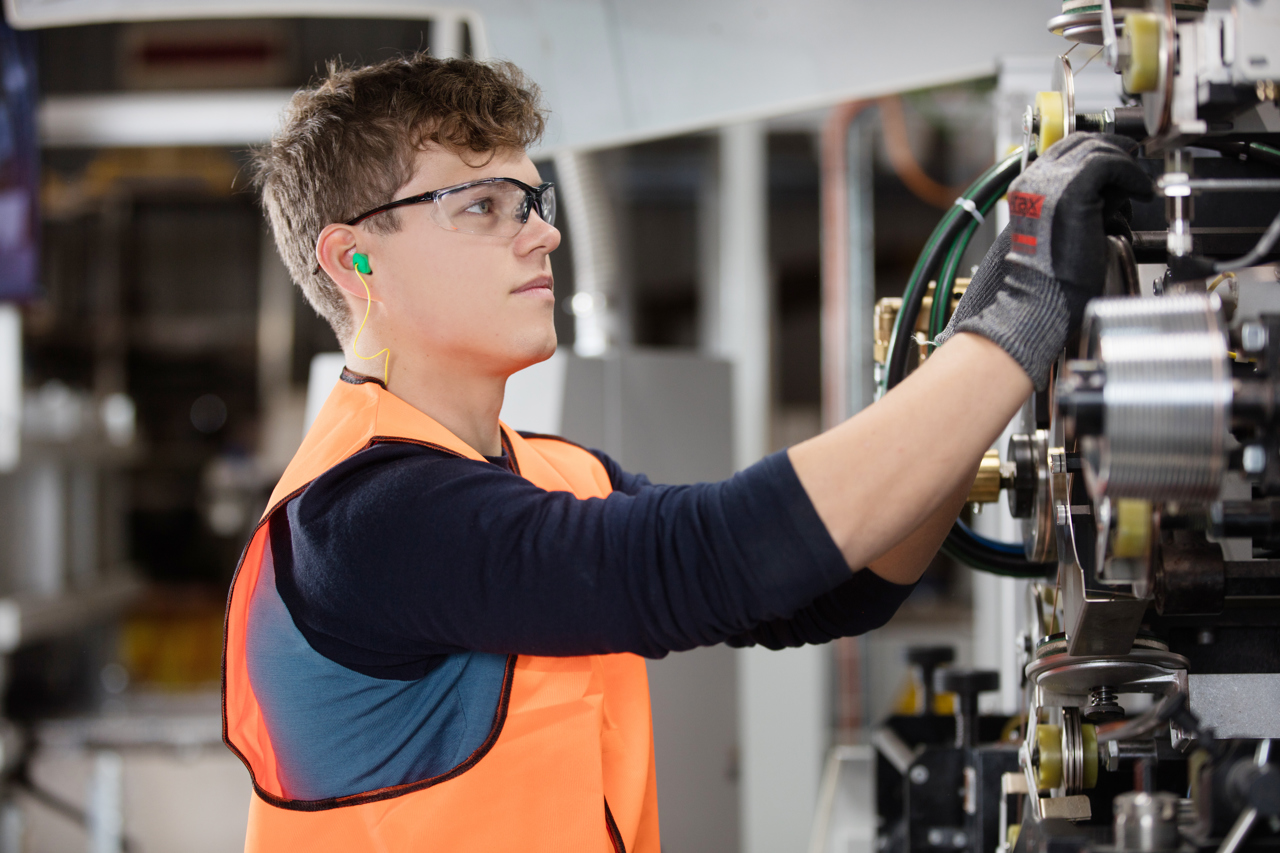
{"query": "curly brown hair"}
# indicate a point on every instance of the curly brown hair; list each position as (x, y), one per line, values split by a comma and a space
(349, 141)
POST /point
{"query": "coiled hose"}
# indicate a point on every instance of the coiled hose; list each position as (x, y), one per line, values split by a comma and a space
(940, 261)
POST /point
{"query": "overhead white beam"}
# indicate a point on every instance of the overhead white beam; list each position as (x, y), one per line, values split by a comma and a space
(161, 118)
(615, 73)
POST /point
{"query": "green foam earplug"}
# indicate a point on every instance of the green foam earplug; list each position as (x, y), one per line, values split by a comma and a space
(361, 262)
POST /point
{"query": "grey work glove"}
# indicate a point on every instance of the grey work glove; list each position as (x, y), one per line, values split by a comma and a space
(1029, 293)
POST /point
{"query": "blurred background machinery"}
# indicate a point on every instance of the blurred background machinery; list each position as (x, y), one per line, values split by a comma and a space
(155, 361)
(729, 224)
(1141, 487)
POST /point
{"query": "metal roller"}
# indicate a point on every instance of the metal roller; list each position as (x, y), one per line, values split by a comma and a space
(1151, 406)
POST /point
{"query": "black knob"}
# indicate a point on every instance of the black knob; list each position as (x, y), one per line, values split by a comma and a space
(967, 684)
(1022, 497)
(929, 658)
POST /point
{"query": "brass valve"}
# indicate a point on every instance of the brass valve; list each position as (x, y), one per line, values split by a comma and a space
(886, 313)
(993, 475)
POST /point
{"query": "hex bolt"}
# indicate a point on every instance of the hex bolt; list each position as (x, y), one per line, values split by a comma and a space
(1254, 459)
(919, 774)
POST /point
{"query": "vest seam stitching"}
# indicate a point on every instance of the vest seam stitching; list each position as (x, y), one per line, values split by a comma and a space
(510, 451)
(350, 377)
(611, 825)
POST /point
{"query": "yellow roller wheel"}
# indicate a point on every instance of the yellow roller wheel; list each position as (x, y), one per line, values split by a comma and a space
(1142, 33)
(1089, 734)
(1133, 528)
(1053, 125)
(1048, 768)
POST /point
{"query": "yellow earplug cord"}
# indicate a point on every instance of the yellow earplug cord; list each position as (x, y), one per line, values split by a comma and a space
(368, 303)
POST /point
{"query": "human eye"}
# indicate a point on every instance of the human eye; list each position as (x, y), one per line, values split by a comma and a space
(479, 207)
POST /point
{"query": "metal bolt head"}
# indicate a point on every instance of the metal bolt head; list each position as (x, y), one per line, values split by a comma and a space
(1061, 514)
(936, 837)
(919, 774)
(1253, 337)
(959, 840)
(1254, 459)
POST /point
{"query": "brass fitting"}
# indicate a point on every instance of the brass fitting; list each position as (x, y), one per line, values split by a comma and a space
(886, 313)
(993, 475)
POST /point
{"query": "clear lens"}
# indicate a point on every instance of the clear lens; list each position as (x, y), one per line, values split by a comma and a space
(496, 209)
(549, 206)
(492, 209)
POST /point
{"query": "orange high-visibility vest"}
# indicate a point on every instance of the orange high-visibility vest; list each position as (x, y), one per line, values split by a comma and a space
(568, 764)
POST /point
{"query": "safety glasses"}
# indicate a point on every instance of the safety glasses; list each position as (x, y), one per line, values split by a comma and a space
(493, 207)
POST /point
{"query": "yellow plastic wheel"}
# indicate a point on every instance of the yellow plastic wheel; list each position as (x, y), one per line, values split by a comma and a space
(1142, 33)
(1053, 125)
(1089, 734)
(1048, 768)
(1132, 528)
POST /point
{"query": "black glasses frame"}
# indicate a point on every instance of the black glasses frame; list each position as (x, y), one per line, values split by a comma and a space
(532, 199)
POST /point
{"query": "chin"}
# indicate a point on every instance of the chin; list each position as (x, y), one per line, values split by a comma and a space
(535, 350)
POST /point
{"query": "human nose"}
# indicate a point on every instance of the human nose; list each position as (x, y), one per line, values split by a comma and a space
(537, 234)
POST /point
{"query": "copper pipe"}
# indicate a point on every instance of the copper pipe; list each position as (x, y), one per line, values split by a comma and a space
(897, 144)
(835, 360)
(835, 260)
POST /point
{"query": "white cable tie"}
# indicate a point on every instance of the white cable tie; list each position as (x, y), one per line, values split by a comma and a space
(967, 204)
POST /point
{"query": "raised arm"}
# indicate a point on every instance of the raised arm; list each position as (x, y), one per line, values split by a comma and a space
(889, 482)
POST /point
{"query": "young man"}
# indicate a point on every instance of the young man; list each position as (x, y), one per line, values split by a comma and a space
(434, 637)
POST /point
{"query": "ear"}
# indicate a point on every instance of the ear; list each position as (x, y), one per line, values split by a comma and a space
(334, 248)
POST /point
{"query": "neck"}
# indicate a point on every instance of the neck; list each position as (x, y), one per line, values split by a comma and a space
(460, 400)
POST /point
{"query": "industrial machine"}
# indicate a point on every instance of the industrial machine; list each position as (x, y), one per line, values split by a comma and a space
(1146, 479)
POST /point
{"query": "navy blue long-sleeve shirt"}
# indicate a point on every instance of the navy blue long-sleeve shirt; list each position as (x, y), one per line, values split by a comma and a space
(396, 585)
(403, 553)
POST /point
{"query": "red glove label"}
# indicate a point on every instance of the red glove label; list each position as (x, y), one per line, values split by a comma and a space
(1024, 243)
(1025, 204)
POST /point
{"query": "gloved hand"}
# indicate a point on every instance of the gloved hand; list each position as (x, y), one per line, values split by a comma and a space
(1032, 287)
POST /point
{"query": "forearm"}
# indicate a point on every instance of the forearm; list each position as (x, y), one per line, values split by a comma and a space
(884, 473)
(905, 562)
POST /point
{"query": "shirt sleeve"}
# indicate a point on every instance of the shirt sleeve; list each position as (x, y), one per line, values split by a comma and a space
(862, 603)
(401, 553)
(622, 481)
